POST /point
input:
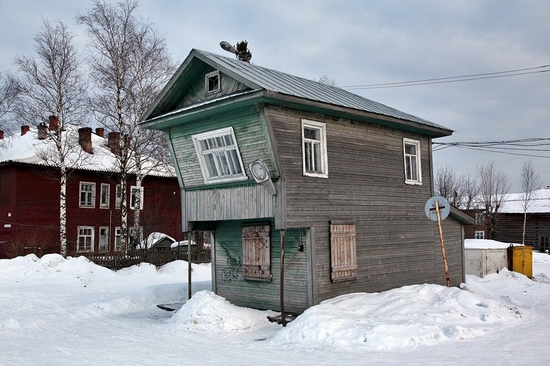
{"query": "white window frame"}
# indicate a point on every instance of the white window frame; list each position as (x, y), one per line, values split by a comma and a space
(87, 201)
(118, 196)
(103, 240)
(82, 235)
(133, 190)
(104, 195)
(314, 151)
(219, 164)
(413, 161)
(207, 85)
(118, 238)
(479, 234)
(480, 218)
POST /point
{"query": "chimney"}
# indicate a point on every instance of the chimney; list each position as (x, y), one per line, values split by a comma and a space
(113, 142)
(42, 131)
(1, 134)
(85, 139)
(100, 131)
(24, 129)
(53, 123)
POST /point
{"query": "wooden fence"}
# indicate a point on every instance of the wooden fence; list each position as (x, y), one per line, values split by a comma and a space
(116, 261)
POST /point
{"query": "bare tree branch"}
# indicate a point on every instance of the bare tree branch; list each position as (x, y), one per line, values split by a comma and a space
(530, 181)
(129, 66)
(493, 187)
(51, 84)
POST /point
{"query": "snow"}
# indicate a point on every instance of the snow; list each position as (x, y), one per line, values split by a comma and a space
(486, 244)
(539, 202)
(29, 149)
(58, 311)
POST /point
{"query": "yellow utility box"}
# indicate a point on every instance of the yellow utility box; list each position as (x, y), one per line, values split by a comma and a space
(520, 259)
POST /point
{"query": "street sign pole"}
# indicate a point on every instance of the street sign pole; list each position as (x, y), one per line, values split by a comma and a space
(442, 244)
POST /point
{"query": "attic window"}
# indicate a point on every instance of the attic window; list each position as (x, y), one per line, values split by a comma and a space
(219, 156)
(212, 82)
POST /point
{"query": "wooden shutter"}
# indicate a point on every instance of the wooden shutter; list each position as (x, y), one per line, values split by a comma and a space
(343, 253)
(256, 252)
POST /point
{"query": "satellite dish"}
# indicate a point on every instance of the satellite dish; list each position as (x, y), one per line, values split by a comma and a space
(226, 46)
(443, 205)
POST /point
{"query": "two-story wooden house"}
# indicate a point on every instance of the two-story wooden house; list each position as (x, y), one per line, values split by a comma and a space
(30, 188)
(268, 160)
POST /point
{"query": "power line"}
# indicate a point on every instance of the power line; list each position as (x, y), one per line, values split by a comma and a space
(522, 147)
(453, 79)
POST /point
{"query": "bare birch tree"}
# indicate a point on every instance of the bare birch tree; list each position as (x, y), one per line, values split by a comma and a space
(470, 190)
(130, 65)
(52, 84)
(9, 91)
(493, 187)
(530, 181)
(460, 190)
(448, 185)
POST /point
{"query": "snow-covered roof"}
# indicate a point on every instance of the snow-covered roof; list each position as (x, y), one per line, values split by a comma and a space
(539, 202)
(153, 239)
(29, 149)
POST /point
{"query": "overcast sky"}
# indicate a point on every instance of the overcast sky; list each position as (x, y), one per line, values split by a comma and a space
(360, 42)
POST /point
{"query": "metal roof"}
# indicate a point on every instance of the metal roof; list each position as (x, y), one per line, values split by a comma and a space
(258, 77)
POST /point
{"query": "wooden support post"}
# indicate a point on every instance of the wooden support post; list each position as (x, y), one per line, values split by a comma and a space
(282, 288)
(189, 277)
(442, 244)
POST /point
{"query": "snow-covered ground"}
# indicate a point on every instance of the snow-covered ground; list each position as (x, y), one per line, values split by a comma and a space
(56, 311)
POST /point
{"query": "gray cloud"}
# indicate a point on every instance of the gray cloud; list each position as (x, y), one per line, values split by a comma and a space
(358, 42)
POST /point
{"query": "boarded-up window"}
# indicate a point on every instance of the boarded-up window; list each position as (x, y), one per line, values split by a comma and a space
(343, 254)
(256, 252)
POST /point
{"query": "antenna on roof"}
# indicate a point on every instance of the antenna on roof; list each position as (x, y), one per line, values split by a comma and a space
(241, 50)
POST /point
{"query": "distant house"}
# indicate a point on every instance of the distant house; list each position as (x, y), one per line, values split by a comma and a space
(267, 160)
(509, 228)
(29, 195)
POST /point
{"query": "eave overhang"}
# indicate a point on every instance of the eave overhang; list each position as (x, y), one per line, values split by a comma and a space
(262, 96)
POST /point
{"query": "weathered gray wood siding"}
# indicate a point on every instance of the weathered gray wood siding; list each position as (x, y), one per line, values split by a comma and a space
(249, 131)
(395, 241)
(239, 200)
(197, 92)
(230, 284)
(230, 203)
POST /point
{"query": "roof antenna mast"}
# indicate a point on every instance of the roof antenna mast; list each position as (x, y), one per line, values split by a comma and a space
(241, 50)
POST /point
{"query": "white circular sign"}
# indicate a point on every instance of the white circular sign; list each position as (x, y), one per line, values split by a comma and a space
(444, 208)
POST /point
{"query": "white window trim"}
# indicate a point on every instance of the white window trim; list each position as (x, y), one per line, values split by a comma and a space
(118, 196)
(207, 82)
(101, 203)
(323, 142)
(132, 189)
(118, 238)
(198, 138)
(417, 181)
(481, 234)
(78, 249)
(100, 236)
(92, 205)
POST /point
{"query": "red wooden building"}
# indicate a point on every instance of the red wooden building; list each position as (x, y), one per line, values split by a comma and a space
(29, 196)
